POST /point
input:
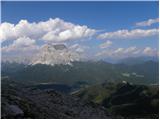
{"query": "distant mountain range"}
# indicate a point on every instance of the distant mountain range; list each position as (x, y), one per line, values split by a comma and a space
(54, 54)
(49, 54)
(86, 72)
(57, 85)
(137, 60)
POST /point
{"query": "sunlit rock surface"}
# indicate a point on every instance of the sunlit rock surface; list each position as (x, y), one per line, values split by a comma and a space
(55, 54)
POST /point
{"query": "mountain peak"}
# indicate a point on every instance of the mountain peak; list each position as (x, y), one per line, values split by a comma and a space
(60, 47)
(55, 54)
(54, 47)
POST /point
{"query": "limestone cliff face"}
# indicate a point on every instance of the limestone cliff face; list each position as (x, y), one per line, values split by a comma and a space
(55, 54)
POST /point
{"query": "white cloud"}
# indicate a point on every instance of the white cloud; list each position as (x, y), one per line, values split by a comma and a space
(105, 44)
(150, 51)
(126, 52)
(25, 34)
(76, 32)
(54, 30)
(21, 44)
(130, 49)
(118, 51)
(126, 34)
(7, 31)
(78, 48)
(148, 22)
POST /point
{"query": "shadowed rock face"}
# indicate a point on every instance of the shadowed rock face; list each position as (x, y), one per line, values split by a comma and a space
(13, 111)
(29, 103)
(60, 47)
(53, 47)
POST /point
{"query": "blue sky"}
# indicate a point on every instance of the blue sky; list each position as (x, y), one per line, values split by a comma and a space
(101, 16)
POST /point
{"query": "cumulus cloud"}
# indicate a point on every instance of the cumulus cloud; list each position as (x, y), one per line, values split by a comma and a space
(150, 51)
(7, 31)
(23, 37)
(76, 32)
(105, 44)
(148, 22)
(21, 44)
(126, 52)
(130, 49)
(54, 30)
(118, 51)
(126, 34)
(78, 48)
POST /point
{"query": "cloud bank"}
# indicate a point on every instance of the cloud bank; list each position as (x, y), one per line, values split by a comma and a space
(25, 37)
(126, 34)
(54, 30)
(105, 44)
(128, 52)
(21, 44)
(147, 23)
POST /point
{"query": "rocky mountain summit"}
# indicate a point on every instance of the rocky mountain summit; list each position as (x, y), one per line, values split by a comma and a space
(49, 54)
(55, 54)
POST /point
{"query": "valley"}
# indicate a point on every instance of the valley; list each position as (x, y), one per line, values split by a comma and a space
(106, 90)
(79, 59)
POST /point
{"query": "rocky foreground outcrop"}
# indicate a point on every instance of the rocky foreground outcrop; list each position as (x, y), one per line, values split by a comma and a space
(23, 102)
